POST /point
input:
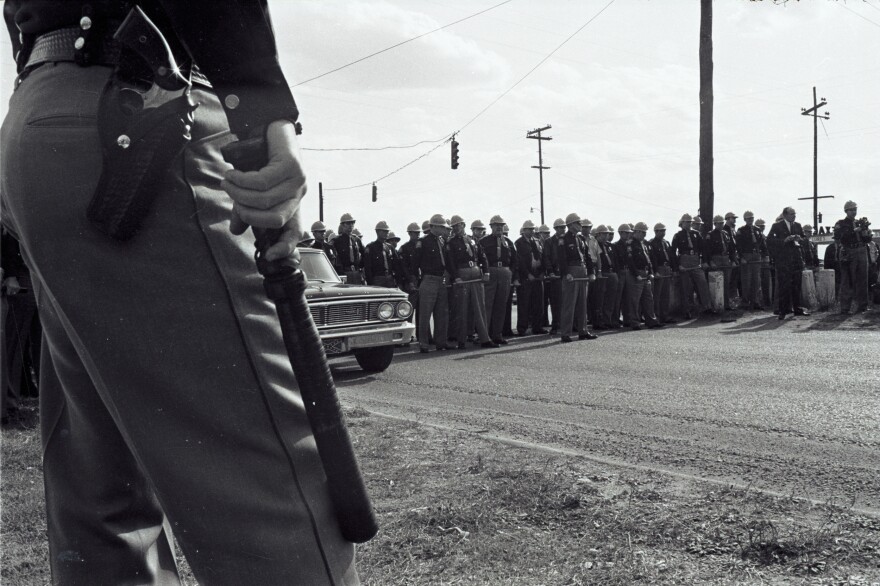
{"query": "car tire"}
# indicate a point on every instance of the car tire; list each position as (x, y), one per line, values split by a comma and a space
(374, 359)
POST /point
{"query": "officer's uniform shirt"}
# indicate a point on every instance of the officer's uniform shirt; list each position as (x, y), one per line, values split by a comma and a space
(349, 253)
(810, 252)
(573, 252)
(845, 233)
(719, 243)
(463, 252)
(607, 258)
(328, 250)
(529, 253)
(731, 233)
(499, 251)
(750, 240)
(407, 250)
(661, 253)
(430, 257)
(638, 257)
(380, 260)
(688, 243)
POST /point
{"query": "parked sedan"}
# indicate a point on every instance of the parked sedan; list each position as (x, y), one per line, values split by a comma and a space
(363, 320)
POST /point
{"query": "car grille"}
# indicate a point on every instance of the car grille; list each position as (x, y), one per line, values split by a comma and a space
(338, 314)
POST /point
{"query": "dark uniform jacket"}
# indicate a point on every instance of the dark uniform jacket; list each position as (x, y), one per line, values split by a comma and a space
(750, 240)
(719, 243)
(349, 253)
(429, 257)
(529, 255)
(661, 254)
(380, 260)
(786, 254)
(407, 250)
(328, 250)
(550, 257)
(845, 233)
(234, 48)
(463, 253)
(810, 252)
(732, 234)
(621, 254)
(573, 252)
(684, 246)
(499, 251)
(638, 257)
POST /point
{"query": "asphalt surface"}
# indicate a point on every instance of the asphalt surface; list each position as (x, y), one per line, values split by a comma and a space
(787, 407)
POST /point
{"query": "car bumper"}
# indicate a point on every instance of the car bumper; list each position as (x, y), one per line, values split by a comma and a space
(340, 341)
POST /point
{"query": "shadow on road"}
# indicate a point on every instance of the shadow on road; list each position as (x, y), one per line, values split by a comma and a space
(761, 324)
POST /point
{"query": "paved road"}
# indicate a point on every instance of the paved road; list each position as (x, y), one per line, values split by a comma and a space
(790, 407)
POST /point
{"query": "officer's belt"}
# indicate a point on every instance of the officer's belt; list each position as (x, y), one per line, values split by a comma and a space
(466, 265)
(500, 265)
(60, 45)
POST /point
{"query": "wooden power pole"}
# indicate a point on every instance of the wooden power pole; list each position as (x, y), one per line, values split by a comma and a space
(536, 134)
(707, 160)
(814, 112)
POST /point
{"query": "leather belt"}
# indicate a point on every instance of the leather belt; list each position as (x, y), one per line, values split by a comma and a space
(60, 45)
(576, 264)
(467, 265)
(499, 264)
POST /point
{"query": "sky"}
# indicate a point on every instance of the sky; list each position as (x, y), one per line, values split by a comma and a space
(621, 96)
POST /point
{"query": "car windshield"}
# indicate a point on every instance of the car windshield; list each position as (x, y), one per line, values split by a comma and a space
(317, 267)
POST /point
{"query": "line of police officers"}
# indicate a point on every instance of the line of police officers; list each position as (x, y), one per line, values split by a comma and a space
(466, 281)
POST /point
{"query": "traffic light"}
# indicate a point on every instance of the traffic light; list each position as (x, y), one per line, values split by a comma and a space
(375, 192)
(454, 154)
(820, 217)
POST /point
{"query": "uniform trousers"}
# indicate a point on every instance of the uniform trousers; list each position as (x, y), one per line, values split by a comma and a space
(454, 318)
(789, 278)
(574, 302)
(433, 301)
(167, 399)
(554, 292)
(529, 305)
(662, 293)
(750, 274)
(721, 262)
(611, 300)
(694, 279)
(854, 279)
(621, 305)
(497, 294)
(640, 297)
(471, 305)
(595, 300)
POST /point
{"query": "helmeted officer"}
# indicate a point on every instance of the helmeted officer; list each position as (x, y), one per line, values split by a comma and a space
(687, 246)
(431, 264)
(469, 270)
(381, 263)
(595, 289)
(730, 228)
(852, 237)
(640, 274)
(552, 274)
(530, 271)
(576, 268)
(785, 241)
(349, 251)
(809, 249)
(501, 255)
(768, 278)
(543, 233)
(508, 311)
(478, 230)
(621, 263)
(608, 275)
(721, 252)
(407, 251)
(319, 231)
(663, 260)
(752, 248)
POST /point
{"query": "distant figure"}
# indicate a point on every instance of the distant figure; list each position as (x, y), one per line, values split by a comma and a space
(785, 240)
(853, 237)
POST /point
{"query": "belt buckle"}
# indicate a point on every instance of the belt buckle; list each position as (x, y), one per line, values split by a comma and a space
(499, 264)
(471, 263)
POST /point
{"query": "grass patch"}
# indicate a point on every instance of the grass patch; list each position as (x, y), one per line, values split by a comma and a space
(456, 508)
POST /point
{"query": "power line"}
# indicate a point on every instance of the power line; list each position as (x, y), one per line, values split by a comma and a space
(385, 148)
(860, 16)
(532, 70)
(399, 44)
(483, 111)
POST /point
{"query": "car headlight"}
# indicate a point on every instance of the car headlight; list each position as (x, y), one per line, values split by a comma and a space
(404, 309)
(385, 311)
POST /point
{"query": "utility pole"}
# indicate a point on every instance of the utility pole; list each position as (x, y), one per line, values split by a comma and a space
(536, 134)
(814, 112)
(320, 201)
(707, 104)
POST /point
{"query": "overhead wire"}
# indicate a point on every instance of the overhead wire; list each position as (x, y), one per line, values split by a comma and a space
(484, 110)
(386, 49)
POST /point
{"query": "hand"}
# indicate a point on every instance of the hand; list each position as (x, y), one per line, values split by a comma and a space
(485, 277)
(591, 278)
(704, 266)
(270, 197)
(458, 280)
(12, 286)
(531, 277)
(569, 278)
(515, 284)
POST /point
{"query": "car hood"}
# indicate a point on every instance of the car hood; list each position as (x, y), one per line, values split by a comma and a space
(320, 291)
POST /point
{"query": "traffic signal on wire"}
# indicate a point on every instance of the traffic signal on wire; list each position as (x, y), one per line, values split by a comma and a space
(454, 154)
(375, 192)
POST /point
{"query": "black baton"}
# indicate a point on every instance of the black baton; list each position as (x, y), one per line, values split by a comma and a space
(285, 285)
